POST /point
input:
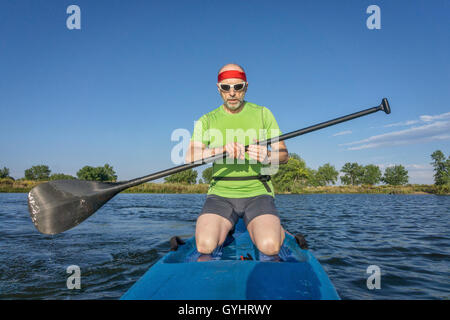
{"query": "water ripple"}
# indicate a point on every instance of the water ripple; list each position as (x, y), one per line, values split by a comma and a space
(405, 235)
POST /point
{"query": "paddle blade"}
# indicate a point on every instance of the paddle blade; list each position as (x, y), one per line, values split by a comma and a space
(59, 205)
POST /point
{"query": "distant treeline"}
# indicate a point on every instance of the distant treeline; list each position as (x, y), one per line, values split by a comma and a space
(43, 173)
(295, 175)
(292, 177)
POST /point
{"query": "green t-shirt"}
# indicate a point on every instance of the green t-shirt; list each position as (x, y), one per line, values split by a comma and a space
(217, 128)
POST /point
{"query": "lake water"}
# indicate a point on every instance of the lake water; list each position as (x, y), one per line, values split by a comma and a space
(406, 236)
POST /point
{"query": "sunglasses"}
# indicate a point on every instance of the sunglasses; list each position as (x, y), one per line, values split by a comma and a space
(236, 87)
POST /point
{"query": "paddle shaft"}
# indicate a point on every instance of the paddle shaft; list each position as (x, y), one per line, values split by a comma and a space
(59, 205)
(384, 106)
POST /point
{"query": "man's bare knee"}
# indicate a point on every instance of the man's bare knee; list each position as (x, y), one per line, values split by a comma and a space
(268, 246)
(211, 230)
(206, 245)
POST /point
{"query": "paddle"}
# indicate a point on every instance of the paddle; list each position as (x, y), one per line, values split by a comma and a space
(59, 205)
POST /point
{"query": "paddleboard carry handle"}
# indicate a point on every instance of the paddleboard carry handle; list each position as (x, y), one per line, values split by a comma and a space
(175, 241)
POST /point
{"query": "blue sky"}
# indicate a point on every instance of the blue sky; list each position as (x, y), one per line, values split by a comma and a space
(114, 91)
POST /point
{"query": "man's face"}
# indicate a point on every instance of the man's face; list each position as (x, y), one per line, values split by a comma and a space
(233, 99)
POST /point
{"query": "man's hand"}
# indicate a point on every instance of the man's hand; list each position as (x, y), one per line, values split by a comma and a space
(235, 150)
(258, 152)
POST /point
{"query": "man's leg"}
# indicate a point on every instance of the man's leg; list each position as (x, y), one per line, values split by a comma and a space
(266, 233)
(211, 231)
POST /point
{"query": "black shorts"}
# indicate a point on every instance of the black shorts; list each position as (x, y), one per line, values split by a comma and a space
(235, 208)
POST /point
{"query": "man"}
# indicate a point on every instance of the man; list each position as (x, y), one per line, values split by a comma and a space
(238, 188)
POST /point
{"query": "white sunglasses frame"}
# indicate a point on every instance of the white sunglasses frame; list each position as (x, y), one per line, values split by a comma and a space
(232, 86)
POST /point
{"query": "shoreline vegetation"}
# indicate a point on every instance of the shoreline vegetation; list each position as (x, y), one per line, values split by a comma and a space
(24, 186)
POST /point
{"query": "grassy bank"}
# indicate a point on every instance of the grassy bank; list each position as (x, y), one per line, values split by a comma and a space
(168, 188)
(9, 185)
(24, 186)
(19, 186)
(383, 189)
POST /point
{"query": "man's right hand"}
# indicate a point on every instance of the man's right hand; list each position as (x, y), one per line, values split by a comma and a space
(235, 150)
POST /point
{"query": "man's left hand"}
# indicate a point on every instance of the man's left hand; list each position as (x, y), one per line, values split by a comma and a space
(258, 152)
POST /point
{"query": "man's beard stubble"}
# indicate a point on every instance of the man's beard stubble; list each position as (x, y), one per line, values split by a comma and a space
(237, 106)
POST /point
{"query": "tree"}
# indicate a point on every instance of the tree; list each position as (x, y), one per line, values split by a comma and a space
(109, 172)
(441, 168)
(4, 173)
(326, 174)
(207, 174)
(313, 178)
(396, 175)
(39, 173)
(293, 173)
(61, 176)
(353, 173)
(295, 156)
(186, 176)
(371, 175)
(105, 173)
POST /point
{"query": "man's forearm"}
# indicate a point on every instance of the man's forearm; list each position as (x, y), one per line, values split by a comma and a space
(196, 154)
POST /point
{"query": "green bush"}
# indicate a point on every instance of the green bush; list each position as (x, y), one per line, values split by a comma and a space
(105, 173)
(37, 173)
(6, 181)
(4, 173)
(61, 176)
(186, 176)
(207, 174)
